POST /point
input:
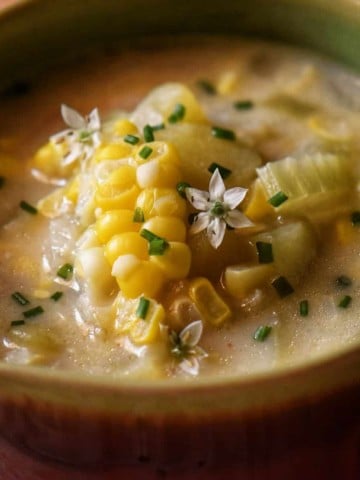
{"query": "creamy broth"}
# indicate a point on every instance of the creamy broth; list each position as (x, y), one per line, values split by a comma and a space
(278, 103)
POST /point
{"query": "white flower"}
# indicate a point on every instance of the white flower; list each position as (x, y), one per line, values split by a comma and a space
(81, 139)
(218, 209)
(185, 347)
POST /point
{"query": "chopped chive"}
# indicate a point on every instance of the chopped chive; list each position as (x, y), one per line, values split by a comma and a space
(277, 199)
(243, 105)
(223, 133)
(19, 298)
(224, 172)
(177, 114)
(304, 308)
(355, 219)
(148, 134)
(33, 312)
(65, 271)
(28, 208)
(142, 308)
(192, 217)
(138, 215)
(158, 246)
(262, 332)
(149, 236)
(282, 286)
(207, 87)
(17, 323)
(159, 126)
(343, 281)
(2, 181)
(265, 252)
(345, 301)
(132, 139)
(181, 187)
(56, 296)
(145, 152)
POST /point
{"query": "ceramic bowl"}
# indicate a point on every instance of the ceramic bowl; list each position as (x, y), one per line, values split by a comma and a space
(297, 423)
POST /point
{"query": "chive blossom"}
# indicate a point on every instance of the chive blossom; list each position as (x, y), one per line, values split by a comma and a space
(223, 133)
(224, 172)
(138, 215)
(28, 208)
(206, 87)
(304, 308)
(33, 312)
(343, 281)
(65, 271)
(265, 252)
(177, 114)
(148, 134)
(345, 301)
(218, 209)
(355, 219)
(282, 286)
(2, 181)
(277, 199)
(145, 152)
(192, 217)
(19, 298)
(243, 105)
(181, 187)
(17, 323)
(262, 332)
(132, 139)
(56, 296)
(142, 308)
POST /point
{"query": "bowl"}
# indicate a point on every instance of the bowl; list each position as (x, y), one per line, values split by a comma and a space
(299, 422)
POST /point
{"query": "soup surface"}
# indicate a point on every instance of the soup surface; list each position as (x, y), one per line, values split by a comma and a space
(191, 209)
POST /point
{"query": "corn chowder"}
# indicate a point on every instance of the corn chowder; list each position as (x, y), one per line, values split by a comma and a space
(212, 228)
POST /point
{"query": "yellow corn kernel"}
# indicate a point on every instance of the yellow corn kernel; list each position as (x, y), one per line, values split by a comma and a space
(144, 331)
(161, 202)
(113, 222)
(158, 174)
(241, 280)
(161, 151)
(48, 160)
(113, 151)
(345, 231)
(125, 244)
(175, 261)
(171, 228)
(257, 206)
(210, 305)
(123, 313)
(144, 279)
(125, 127)
(119, 191)
(71, 191)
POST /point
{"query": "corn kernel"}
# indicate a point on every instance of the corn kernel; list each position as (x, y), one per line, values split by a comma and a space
(257, 206)
(71, 191)
(124, 244)
(48, 160)
(144, 331)
(124, 266)
(113, 151)
(119, 191)
(53, 204)
(171, 228)
(175, 261)
(161, 151)
(113, 222)
(146, 279)
(125, 127)
(210, 305)
(161, 202)
(240, 280)
(158, 174)
(125, 309)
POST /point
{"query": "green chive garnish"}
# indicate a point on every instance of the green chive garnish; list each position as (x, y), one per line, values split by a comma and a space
(138, 215)
(56, 296)
(262, 332)
(304, 308)
(132, 139)
(145, 152)
(159, 126)
(345, 301)
(355, 219)
(177, 114)
(277, 199)
(224, 172)
(181, 187)
(223, 133)
(265, 252)
(243, 105)
(19, 298)
(158, 246)
(2, 181)
(142, 308)
(207, 87)
(282, 286)
(149, 236)
(28, 208)
(33, 312)
(17, 323)
(65, 271)
(148, 134)
(343, 281)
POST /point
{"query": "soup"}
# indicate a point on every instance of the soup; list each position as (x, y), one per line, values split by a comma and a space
(196, 213)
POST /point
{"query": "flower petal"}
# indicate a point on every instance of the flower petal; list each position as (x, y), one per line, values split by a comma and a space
(61, 137)
(234, 196)
(72, 118)
(198, 198)
(73, 154)
(94, 122)
(191, 334)
(236, 219)
(190, 365)
(216, 186)
(216, 231)
(200, 223)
